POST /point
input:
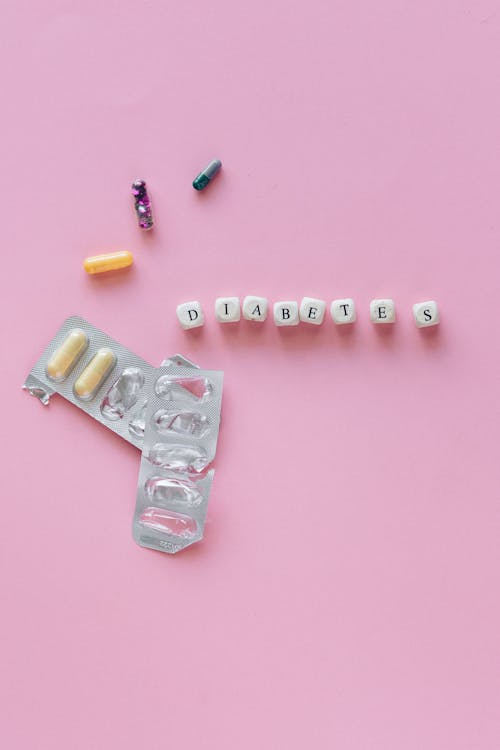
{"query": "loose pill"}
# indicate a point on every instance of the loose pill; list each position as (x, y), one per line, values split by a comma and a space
(67, 355)
(108, 262)
(142, 204)
(95, 374)
(201, 181)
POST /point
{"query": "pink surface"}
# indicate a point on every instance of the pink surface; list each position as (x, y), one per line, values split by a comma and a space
(346, 594)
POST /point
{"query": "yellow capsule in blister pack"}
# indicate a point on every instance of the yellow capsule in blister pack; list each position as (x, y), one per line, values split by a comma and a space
(67, 355)
(94, 375)
(108, 262)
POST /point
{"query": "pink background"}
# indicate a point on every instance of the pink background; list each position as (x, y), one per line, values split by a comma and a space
(346, 593)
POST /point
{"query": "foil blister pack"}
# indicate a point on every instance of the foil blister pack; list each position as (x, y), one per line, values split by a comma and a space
(177, 406)
(182, 427)
(96, 373)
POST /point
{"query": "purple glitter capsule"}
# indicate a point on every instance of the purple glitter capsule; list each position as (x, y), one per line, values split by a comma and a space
(142, 204)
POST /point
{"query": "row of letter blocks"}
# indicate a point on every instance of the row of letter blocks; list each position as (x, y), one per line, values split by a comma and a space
(310, 310)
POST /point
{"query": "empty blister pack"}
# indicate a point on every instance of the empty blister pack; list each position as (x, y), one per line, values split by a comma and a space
(97, 374)
(182, 426)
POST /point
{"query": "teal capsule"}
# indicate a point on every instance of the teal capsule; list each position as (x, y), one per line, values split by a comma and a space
(201, 181)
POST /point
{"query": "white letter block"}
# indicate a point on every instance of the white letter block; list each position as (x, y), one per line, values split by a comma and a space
(312, 310)
(382, 311)
(190, 315)
(426, 313)
(255, 308)
(286, 313)
(343, 311)
(227, 309)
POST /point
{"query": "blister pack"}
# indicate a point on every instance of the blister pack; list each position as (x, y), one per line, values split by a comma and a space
(182, 426)
(97, 374)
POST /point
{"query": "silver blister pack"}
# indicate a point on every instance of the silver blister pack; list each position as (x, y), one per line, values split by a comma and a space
(99, 375)
(182, 427)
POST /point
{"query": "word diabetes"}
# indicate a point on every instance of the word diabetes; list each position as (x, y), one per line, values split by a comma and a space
(309, 310)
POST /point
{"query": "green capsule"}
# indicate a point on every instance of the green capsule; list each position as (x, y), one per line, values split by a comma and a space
(201, 181)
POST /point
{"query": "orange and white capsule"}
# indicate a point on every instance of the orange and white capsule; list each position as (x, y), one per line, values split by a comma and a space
(94, 375)
(67, 355)
(108, 262)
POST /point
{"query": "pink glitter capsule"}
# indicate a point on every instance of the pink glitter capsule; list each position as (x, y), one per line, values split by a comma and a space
(142, 204)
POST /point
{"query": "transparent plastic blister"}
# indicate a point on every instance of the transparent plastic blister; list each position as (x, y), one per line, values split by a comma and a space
(182, 427)
(96, 373)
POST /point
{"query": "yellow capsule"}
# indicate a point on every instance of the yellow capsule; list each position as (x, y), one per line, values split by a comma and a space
(108, 262)
(95, 373)
(65, 358)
